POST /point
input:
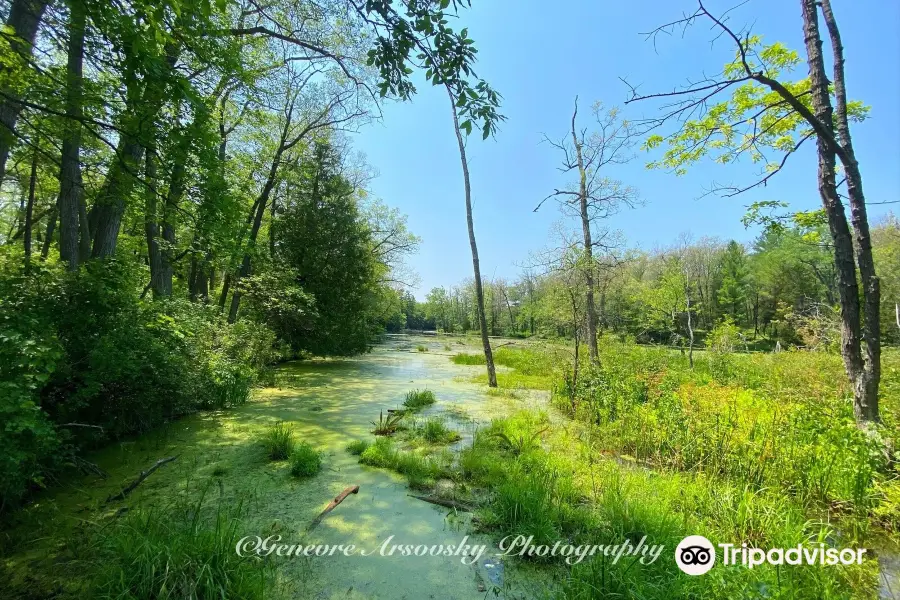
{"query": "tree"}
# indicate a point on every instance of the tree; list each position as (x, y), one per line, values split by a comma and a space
(767, 113)
(596, 196)
(733, 290)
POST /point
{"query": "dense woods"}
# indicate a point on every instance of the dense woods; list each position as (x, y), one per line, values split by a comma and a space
(182, 207)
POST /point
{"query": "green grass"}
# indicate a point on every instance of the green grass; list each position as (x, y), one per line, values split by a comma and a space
(357, 447)
(420, 470)
(563, 488)
(305, 461)
(468, 359)
(418, 399)
(185, 551)
(279, 441)
(434, 431)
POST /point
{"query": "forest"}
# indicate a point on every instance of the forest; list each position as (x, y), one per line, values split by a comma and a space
(211, 324)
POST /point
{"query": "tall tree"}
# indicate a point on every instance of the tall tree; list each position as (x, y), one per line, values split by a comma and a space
(596, 196)
(766, 113)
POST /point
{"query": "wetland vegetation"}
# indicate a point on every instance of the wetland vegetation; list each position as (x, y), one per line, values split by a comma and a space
(212, 335)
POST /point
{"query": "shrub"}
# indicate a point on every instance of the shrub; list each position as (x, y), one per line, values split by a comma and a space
(418, 399)
(305, 461)
(421, 348)
(279, 441)
(84, 347)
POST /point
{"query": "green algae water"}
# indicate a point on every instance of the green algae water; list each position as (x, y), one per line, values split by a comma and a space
(329, 403)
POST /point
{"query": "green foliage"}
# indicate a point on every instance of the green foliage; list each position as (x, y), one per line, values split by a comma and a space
(321, 300)
(83, 348)
(754, 118)
(305, 461)
(279, 441)
(418, 399)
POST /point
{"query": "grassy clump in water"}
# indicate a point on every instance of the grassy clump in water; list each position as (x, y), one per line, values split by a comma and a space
(434, 431)
(418, 399)
(421, 471)
(468, 359)
(421, 348)
(305, 461)
(183, 552)
(357, 447)
(279, 441)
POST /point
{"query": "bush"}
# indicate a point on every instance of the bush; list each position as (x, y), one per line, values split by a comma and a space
(84, 347)
(418, 399)
(305, 461)
(279, 441)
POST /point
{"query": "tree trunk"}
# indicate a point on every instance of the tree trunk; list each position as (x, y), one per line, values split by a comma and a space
(151, 228)
(588, 245)
(29, 209)
(261, 203)
(863, 373)
(71, 193)
(479, 291)
(48, 237)
(866, 393)
(23, 21)
(143, 110)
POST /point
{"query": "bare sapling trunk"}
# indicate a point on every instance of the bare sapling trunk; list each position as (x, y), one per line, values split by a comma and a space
(29, 210)
(690, 325)
(479, 290)
(591, 311)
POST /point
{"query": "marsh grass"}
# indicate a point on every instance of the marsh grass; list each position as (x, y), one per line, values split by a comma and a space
(305, 461)
(421, 348)
(434, 431)
(279, 441)
(388, 425)
(184, 551)
(418, 399)
(421, 471)
(357, 447)
(565, 489)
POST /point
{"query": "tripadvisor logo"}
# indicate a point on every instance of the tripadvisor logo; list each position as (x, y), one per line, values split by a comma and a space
(696, 555)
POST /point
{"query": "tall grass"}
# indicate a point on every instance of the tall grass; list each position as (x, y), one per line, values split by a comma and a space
(418, 399)
(178, 553)
(279, 441)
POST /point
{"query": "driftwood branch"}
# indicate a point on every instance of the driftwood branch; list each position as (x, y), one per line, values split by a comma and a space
(444, 502)
(353, 489)
(82, 425)
(144, 475)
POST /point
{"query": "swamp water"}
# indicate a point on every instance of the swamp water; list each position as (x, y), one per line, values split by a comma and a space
(329, 403)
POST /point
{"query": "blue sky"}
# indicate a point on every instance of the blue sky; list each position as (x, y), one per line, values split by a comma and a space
(540, 55)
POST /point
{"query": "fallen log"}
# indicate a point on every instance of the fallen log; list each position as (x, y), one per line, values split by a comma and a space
(353, 489)
(144, 475)
(444, 502)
